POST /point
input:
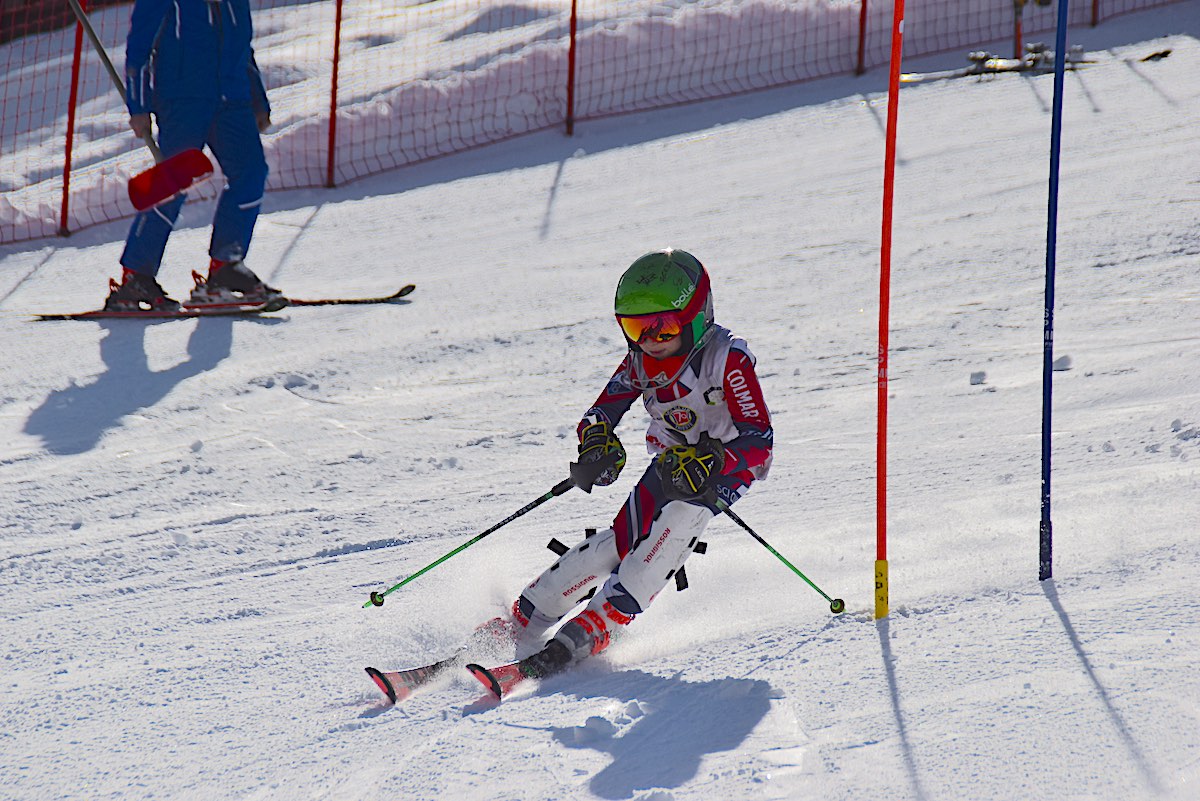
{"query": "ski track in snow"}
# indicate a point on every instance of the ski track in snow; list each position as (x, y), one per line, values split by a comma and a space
(195, 511)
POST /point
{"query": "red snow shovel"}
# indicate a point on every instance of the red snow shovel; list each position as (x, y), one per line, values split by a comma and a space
(169, 176)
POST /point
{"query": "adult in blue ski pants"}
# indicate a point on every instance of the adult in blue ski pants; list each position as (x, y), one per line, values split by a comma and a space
(230, 129)
(191, 64)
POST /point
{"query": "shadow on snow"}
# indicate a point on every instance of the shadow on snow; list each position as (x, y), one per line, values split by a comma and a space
(73, 419)
(667, 727)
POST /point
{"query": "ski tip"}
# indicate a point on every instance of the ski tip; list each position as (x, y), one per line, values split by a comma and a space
(486, 678)
(405, 291)
(382, 683)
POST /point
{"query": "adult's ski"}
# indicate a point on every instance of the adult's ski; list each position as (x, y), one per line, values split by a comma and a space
(188, 311)
(399, 293)
(398, 685)
(183, 313)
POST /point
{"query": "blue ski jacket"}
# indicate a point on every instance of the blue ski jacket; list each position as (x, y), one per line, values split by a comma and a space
(191, 49)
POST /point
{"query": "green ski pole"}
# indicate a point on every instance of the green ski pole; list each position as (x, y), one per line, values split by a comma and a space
(376, 598)
(836, 605)
(582, 475)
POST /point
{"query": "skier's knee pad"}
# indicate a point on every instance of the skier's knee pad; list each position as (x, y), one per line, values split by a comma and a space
(653, 562)
(576, 573)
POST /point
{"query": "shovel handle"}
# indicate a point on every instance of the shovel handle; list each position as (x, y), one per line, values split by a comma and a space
(112, 71)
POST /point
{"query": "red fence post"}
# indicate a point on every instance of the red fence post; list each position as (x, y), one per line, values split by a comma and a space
(862, 38)
(1018, 33)
(66, 190)
(333, 95)
(571, 71)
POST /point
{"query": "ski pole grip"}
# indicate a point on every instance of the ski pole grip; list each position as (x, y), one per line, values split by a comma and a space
(584, 474)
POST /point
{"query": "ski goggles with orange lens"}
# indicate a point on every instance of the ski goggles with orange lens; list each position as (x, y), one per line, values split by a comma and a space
(655, 327)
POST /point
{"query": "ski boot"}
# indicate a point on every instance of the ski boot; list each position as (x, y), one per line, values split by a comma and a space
(138, 292)
(554, 658)
(233, 283)
(587, 634)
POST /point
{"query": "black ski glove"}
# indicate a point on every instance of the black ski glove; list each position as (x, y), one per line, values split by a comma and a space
(689, 472)
(597, 441)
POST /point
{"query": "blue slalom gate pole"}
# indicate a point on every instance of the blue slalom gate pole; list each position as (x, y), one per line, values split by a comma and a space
(1045, 549)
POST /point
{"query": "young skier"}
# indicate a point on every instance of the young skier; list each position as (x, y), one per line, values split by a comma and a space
(710, 437)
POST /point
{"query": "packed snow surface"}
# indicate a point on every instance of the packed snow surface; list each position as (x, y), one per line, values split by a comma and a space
(195, 511)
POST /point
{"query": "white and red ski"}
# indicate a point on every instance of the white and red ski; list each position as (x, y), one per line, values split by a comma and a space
(398, 685)
(499, 680)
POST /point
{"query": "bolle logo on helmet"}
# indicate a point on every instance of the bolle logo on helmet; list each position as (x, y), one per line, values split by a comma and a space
(682, 300)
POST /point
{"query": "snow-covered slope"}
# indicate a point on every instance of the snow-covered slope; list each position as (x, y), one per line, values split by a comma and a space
(194, 512)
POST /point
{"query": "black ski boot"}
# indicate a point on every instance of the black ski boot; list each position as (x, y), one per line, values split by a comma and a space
(554, 658)
(138, 292)
(233, 282)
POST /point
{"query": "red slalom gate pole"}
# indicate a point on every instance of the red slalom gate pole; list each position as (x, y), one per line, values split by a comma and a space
(885, 278)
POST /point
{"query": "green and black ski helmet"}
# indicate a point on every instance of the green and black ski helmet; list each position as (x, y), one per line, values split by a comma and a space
(662, 295)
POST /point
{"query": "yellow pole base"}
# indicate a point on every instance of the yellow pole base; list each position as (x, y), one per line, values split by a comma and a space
(881, 588)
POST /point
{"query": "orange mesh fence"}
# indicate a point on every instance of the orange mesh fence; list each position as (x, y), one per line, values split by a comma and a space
(362, 86)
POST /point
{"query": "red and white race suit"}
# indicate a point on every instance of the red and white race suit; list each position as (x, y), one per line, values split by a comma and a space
(717, 394)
